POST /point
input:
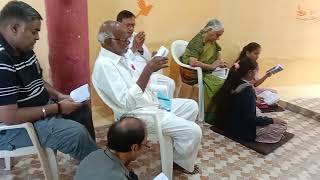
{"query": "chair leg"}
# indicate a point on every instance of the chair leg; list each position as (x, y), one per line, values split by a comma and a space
(7, 163)
(166, 151)
(53, 163)
(42, 153)
(177, 89)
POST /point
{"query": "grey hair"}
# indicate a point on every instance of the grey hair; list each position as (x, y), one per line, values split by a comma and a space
(102, 37)
(214, 25)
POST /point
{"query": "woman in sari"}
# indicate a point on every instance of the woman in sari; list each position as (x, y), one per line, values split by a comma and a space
(203, 51)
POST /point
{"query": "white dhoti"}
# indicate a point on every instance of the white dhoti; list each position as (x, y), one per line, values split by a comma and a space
(160, 79)
(180, 126)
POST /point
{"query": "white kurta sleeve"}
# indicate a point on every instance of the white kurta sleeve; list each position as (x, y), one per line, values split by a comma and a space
(115, 90)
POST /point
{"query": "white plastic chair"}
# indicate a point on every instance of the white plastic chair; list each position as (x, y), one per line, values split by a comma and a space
(166, 144)
(177, 49)
(46, 155)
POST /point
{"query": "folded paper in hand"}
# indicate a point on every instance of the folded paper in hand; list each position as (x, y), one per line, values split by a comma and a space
(161, 177)
(162, 52)
(81, 94)
(269, 97)
(164, 101)
(275, 69)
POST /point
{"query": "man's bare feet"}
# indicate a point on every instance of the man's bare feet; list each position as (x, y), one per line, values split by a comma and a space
(196, 169)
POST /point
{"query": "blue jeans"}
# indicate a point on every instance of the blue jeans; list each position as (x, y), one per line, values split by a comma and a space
(64, 135)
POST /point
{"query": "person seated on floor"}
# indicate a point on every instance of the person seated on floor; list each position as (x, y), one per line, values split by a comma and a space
(113, 78)
(141, 54)
(25, 96)
(236, 107)
(253, 50)
(204, 51)
(125, 140)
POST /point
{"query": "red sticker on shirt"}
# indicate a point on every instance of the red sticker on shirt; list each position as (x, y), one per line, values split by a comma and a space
(132, 66)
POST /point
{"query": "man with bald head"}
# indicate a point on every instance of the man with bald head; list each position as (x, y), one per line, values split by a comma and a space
(116, 84)
(126, 139)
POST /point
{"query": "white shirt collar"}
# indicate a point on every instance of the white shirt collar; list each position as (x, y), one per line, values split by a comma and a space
(112, 56)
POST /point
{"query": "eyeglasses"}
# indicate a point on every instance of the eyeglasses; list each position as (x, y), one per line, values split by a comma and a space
(130, 25)
(122, 40)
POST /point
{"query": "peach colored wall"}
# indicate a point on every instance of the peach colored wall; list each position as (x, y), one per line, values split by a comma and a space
(273, 23)
(285, 39)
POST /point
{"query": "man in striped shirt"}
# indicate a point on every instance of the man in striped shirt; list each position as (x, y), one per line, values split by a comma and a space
(25, 97)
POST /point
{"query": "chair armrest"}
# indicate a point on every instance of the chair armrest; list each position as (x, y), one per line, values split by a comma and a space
(155, 116)
(16, 126)
(188, 66)
(199, 74)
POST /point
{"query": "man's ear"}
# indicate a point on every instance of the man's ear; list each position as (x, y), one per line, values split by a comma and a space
(135, 147)
(14, 27)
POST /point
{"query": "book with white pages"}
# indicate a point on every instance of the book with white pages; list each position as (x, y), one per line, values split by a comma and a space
(269, 97)
(81, 94)
(221, 72)
(275, 69)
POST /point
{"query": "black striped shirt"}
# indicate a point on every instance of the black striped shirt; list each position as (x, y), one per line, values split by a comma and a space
(21, 80)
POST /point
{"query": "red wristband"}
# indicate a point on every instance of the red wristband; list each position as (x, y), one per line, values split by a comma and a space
(59, 108)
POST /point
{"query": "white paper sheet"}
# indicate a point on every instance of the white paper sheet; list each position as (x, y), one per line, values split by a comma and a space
(161, 177)
(162, 52)
(221, 72)
(269, 97)
(81, 94)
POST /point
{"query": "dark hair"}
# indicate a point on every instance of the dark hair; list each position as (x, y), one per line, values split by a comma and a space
(248, 48)
(18, 10)
(223, 97)
(124, 15)
(124, 133)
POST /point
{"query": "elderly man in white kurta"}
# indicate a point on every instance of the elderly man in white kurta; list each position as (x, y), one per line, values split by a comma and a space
(140, 54)
(113, 77)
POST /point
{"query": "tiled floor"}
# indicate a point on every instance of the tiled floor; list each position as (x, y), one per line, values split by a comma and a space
(312, 104)
(219, 157)
(309, 107)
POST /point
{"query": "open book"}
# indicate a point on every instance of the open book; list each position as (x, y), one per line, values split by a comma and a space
(221, 72)
(81, 94)
(269, 97)
(275, 69)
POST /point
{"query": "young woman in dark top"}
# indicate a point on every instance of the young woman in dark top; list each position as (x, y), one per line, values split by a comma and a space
(236, 107)
(252, 51)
